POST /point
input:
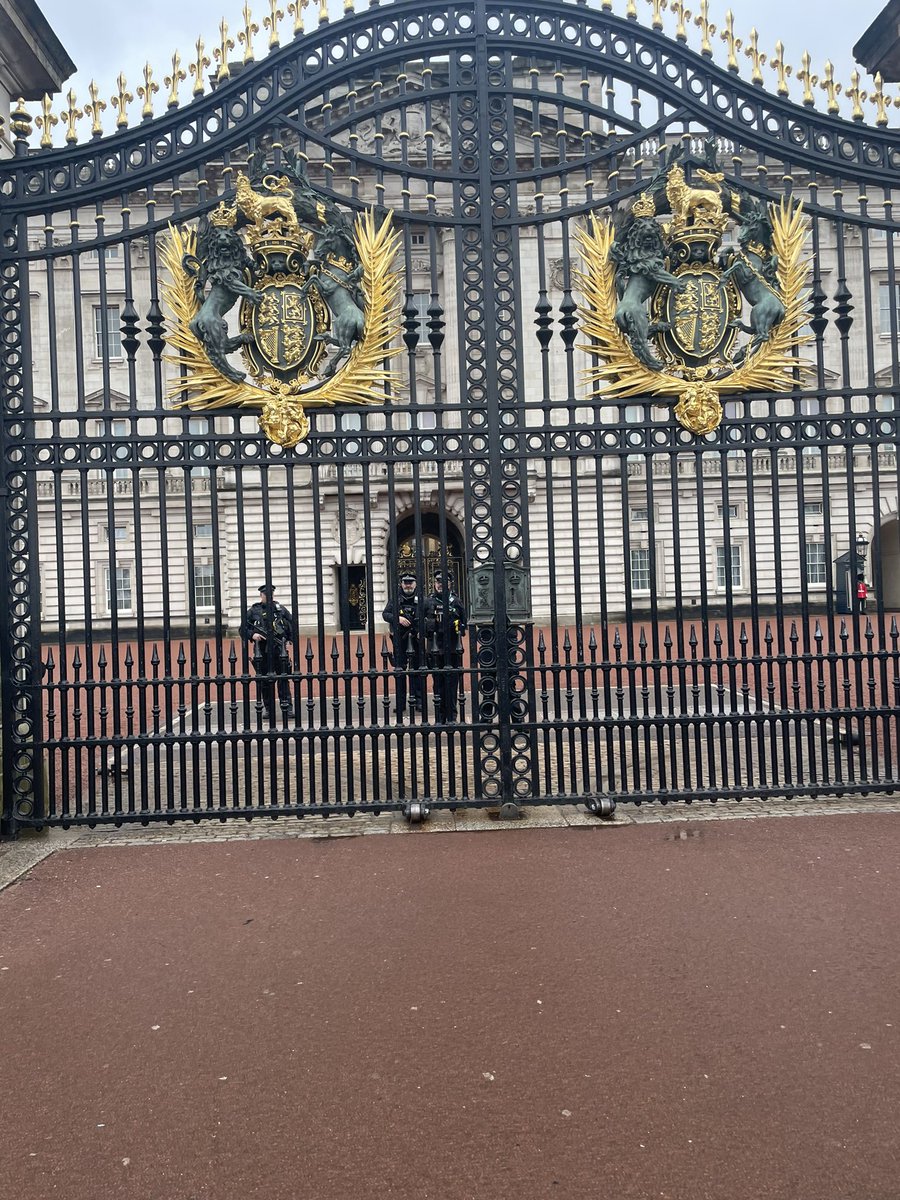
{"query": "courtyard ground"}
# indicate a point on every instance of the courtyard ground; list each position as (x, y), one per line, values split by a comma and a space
(678, 1005)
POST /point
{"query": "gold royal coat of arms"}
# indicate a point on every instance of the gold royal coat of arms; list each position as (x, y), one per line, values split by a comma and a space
(317, 294)
(665, 302)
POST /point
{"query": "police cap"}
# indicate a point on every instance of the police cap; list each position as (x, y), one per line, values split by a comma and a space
(407, 577)
(268, 588)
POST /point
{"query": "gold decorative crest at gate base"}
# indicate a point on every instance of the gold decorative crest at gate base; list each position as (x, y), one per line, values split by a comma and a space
(663, 299)
(319, 304)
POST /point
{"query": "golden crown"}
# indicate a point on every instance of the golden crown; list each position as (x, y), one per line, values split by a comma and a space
(224, 217)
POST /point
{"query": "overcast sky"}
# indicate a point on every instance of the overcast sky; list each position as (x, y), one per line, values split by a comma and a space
(106, 36)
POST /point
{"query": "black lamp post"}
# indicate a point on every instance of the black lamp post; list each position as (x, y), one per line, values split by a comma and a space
(862, 546)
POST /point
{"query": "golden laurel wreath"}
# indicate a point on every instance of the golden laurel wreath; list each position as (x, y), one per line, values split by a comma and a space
(360, 381)
(773, 366)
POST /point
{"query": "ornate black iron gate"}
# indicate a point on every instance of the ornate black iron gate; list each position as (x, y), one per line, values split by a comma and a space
(653, 614)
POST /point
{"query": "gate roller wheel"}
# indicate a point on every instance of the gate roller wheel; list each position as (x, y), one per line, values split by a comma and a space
(416, 812)
(601, 806)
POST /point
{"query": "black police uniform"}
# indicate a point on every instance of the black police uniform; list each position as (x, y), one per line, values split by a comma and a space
(445, 625)
(407, 648)
(269, 655)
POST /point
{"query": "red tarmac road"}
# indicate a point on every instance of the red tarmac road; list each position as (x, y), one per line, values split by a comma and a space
(697, 1012)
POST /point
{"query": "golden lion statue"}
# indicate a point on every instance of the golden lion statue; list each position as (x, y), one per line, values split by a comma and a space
(260, 206)
(687, 202)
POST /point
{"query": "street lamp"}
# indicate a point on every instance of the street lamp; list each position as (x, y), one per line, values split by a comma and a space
(862, 546)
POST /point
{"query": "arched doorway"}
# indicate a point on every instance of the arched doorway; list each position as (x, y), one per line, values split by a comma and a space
(424, 543)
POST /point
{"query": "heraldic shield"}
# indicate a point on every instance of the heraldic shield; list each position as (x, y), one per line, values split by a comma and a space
(319, 302)
(666, 302)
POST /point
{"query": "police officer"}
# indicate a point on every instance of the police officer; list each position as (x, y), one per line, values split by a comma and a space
(404, 617)
(268, 628)
(445, 625)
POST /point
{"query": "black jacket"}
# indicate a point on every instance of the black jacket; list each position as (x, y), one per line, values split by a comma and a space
(445, 622)
(271, 620)
(403, 606)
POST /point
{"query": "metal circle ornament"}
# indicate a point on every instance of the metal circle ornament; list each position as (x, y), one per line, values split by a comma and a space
(665, 304)
(318, 296)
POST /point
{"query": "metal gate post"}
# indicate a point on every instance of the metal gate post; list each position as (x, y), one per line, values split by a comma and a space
(490, 370)
(23, 798)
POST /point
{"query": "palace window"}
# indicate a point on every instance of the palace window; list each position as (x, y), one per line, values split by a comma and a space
(106, 252)
(119, 599)
(884, 307)
(204, 585)
(815, 562)
(640, 569)
(107, 335)
(728, 567)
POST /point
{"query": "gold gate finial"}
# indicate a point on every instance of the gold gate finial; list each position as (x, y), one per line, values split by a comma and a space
(830, 88)
(246, 35)
(656, 19)
(323, 12)
(201, 64)
(147, 91)
(778, 65)
(734, 44)
(172, 81)
(220, 54)
(707, 29)
(678, 10)
(71, 116)
(856, 97)
(752, 52)
(295, 8)
(880, 101)
(46, 122)
(121, 101)
(807, 79)
(95, 108)
(271, 23)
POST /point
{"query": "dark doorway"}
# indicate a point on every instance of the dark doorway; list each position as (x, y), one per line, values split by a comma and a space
(354, 607)
(424, 549)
